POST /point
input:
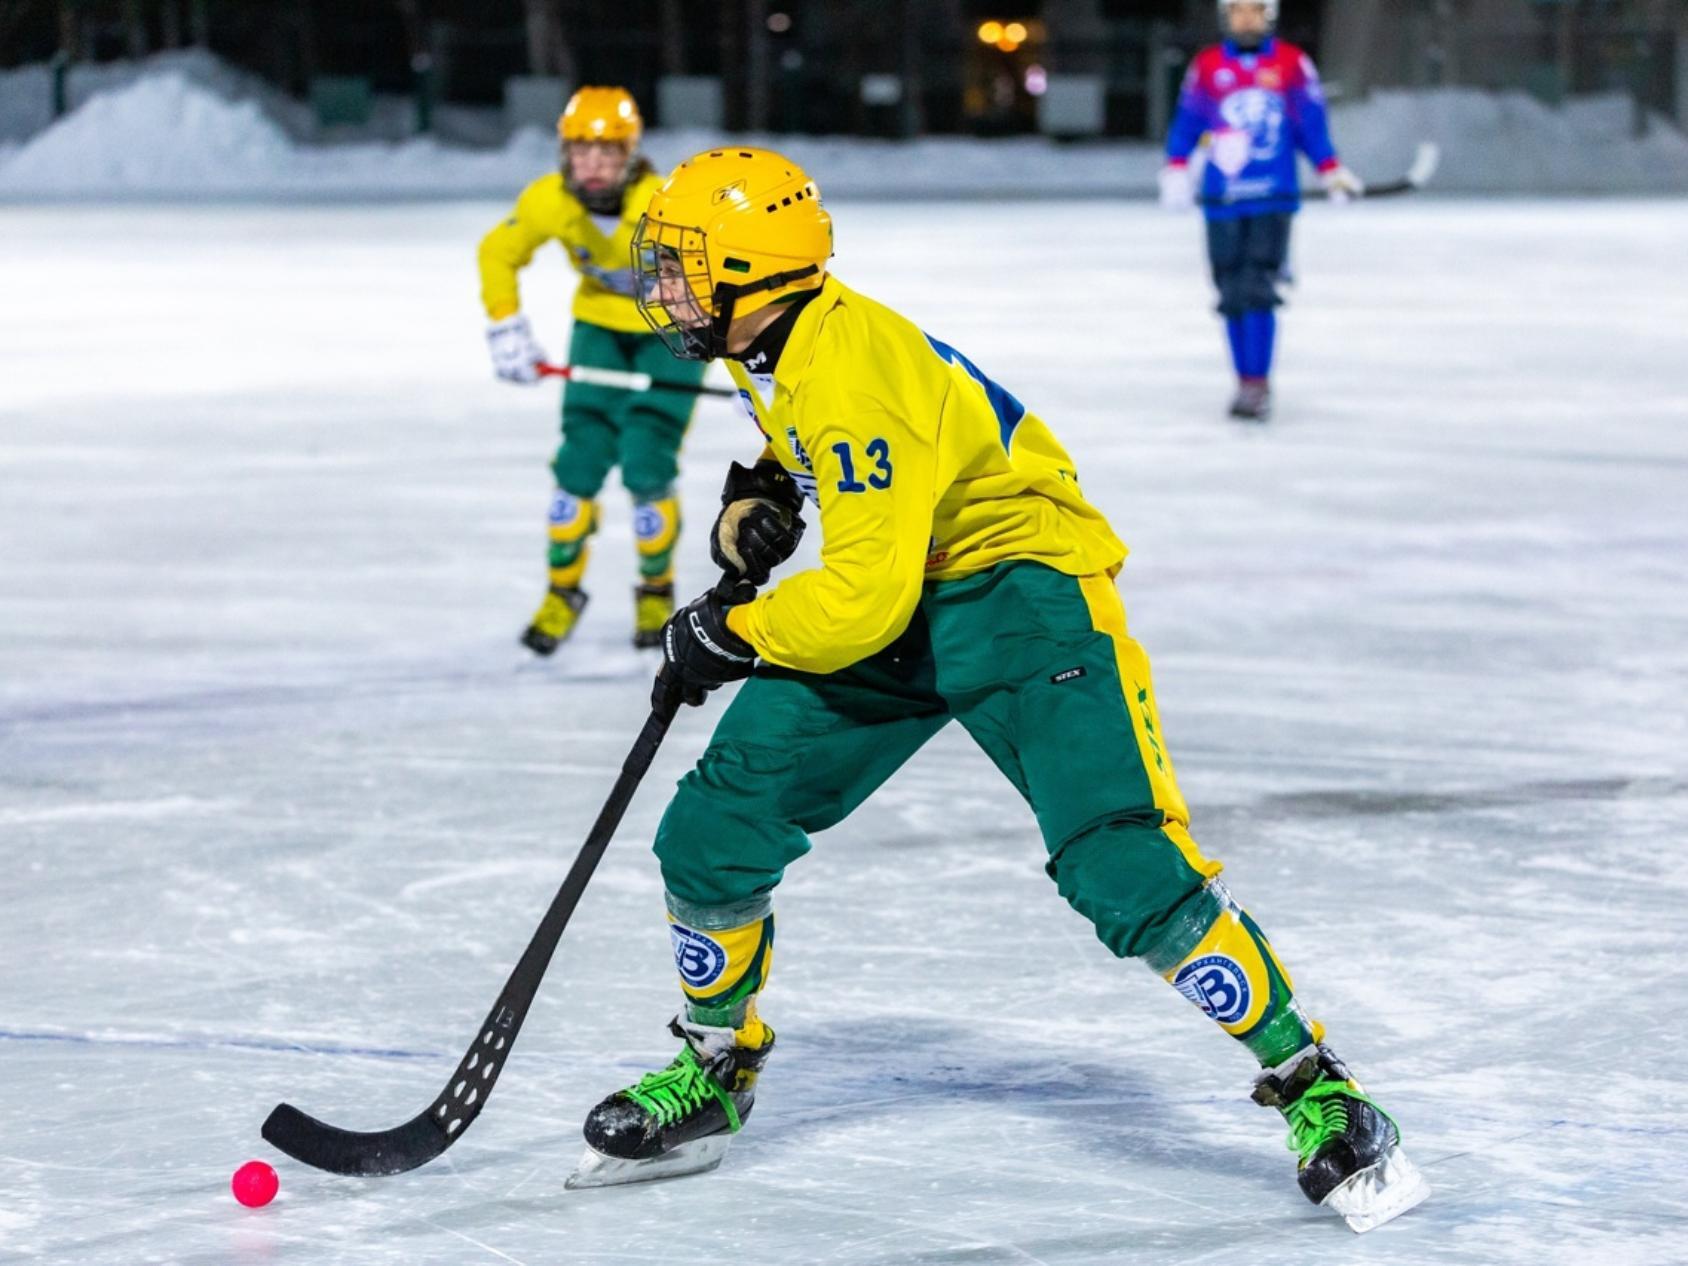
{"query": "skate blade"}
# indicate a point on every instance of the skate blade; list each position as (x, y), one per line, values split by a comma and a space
(1379, 1194)
(697, 1157)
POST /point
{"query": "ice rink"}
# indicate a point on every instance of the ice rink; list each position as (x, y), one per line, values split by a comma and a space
(281, 801)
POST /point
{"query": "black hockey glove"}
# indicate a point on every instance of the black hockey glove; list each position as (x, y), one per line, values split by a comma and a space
(699, 651)
(759, 525)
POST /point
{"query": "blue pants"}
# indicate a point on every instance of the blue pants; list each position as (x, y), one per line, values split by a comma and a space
(1247, 255)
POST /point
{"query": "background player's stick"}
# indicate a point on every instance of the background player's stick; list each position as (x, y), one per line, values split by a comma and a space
(625, 381)
(1425, 162)
(455, 1108)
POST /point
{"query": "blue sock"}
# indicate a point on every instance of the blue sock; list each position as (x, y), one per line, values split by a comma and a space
(1237, 333)
(1259, 333)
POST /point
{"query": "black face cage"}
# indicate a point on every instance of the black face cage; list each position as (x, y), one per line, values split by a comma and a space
(687, 308)
(671, 283)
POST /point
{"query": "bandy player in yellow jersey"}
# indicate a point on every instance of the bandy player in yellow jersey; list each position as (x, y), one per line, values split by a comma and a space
(963, 576)
(591, 206)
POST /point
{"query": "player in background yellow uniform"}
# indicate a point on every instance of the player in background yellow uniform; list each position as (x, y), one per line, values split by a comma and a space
(591, 207)
(963, 575)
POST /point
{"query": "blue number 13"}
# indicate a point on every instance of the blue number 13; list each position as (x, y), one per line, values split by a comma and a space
(880, 451)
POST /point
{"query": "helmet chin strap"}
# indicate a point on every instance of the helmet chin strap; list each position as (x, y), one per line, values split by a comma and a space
(726, 300)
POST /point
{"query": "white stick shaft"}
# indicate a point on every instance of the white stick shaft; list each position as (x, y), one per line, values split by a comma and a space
(610, 378)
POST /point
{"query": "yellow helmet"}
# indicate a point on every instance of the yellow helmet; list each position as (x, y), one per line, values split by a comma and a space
(730, 232)
(602, 114)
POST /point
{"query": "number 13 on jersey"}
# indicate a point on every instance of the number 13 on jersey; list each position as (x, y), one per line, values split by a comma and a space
(879, 477)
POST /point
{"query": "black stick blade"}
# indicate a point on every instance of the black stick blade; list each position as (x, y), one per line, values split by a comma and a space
(351, 1152)
(423, 1137)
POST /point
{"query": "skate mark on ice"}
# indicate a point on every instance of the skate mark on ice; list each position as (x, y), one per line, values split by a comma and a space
(167, 806)
(215, 699)
(1359, 802)
(216, 1043)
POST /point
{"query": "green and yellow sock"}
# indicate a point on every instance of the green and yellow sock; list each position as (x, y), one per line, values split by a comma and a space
(571, 521)
(1221, 961)
(723, 955)
(656, 531)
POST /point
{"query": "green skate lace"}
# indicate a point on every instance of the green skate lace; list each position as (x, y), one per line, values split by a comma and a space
(681, 1089)
(1320, 1115)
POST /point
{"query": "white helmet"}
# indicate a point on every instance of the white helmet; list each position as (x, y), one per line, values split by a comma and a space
(1271, 9)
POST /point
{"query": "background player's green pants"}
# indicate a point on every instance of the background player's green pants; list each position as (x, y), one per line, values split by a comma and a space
(640, 431)
(1040, 670)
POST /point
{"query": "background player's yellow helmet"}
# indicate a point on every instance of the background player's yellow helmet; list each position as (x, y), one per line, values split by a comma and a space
(602, 114)
(730, 232)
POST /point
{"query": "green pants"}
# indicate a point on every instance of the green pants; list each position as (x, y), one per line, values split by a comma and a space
(1039, 669)
(604, 427)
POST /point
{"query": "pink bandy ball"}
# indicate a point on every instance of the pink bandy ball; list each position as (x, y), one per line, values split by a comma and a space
(254, 1184)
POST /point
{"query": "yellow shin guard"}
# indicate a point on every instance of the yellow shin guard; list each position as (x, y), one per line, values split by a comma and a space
(571, 521)
(656, 531)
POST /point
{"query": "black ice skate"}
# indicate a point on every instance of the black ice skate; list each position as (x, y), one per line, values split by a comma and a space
(1350, 1149)
(1253, 402)
(678, 1121)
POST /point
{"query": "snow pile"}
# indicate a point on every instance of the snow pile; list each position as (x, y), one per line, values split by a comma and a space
(26, 93)
(191, 132)
(943, 166)
(173, 135)
(1498, 142)
(161, 132)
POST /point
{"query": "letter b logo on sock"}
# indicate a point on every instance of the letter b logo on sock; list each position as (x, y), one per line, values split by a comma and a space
(1218, 985)
(698, 958)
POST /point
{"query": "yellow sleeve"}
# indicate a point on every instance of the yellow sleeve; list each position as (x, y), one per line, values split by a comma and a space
(876, 479)
(506, 250)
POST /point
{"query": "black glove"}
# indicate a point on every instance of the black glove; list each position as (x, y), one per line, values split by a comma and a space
(759, 524)
(699, 651)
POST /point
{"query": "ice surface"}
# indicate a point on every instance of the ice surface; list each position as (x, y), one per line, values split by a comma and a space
(192, 127)
(280, 801)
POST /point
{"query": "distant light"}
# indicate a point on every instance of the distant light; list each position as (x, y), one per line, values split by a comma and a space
(1015, 31)
(1007, 45)
(881, 90)
(1037, 80)
(990, 32)
(779, 23)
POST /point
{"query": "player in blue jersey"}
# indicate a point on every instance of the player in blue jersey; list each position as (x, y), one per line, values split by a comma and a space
(1257, 98)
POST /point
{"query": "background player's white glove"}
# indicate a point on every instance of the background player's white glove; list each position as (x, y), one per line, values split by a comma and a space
(1176, 193)
(1342, 185)
(515, 356)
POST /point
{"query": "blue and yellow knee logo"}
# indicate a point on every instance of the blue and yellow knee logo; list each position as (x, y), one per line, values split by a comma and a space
(648, 521)
(699, 958)
(565, 508)
(1217, 984)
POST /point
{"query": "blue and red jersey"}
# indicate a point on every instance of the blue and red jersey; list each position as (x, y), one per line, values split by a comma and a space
(1260, 107)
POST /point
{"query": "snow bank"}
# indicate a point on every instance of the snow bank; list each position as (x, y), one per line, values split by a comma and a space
(159, 133)
(26, 93)
(1502, 142)
(172, 135)
(185, 132)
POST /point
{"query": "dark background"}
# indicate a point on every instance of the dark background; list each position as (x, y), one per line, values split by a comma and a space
(798, 65)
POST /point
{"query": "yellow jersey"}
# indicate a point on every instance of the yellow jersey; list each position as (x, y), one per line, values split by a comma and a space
(923, 470)
(599, 247)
